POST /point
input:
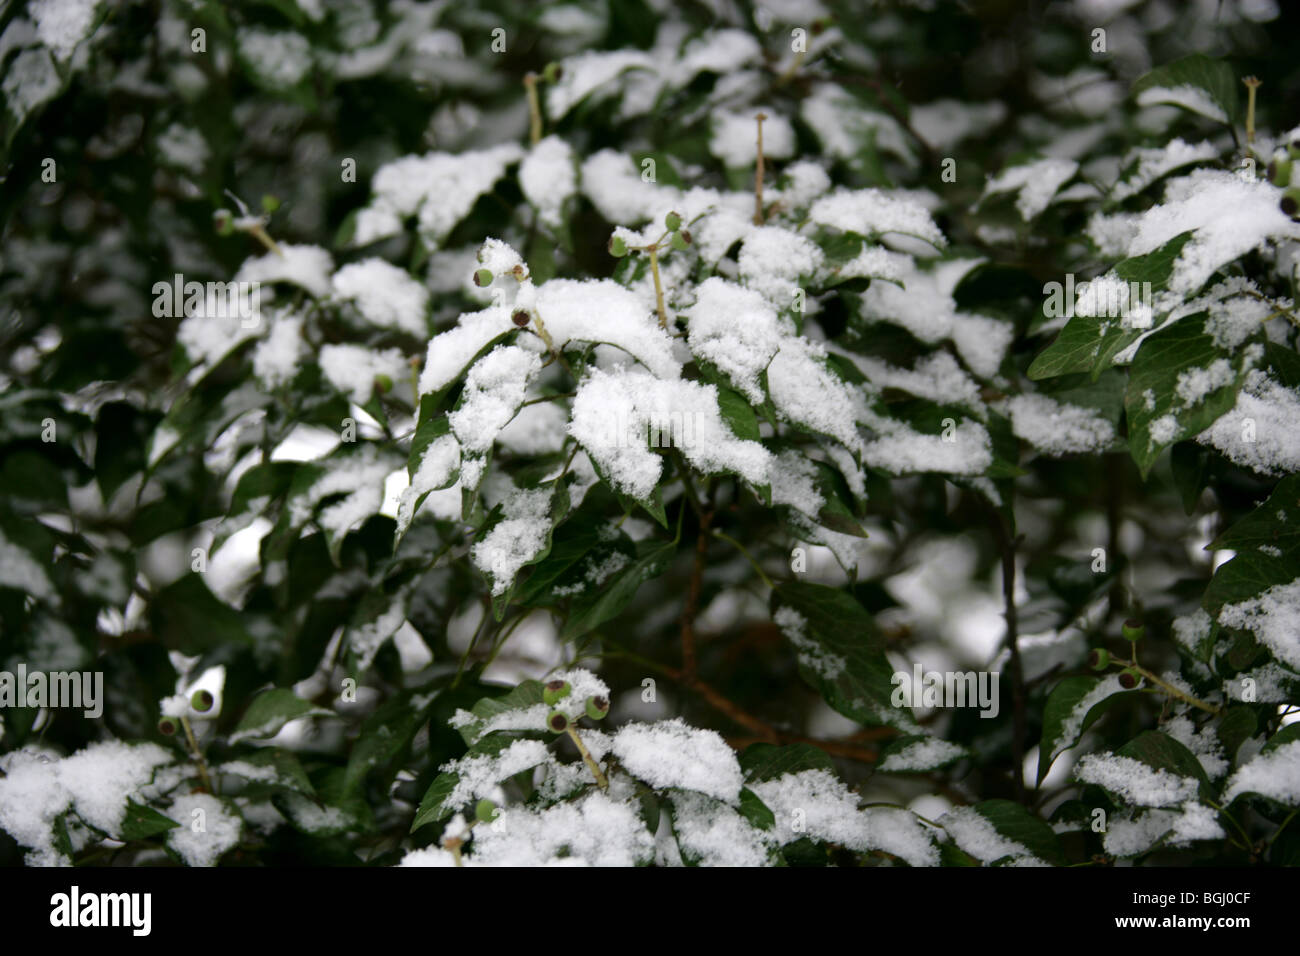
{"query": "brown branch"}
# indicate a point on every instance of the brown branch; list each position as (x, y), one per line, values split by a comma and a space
(693, 599)
(1008, 549)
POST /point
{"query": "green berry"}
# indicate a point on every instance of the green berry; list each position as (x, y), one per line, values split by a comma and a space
(224, 221)
(485, 811)
(1099, 659)
(597, 707)
(383, 383)
(1293, 148)
(202, 701)
(1133, 630)
(673, 222)
(678, 242)
(555, 691)
(1279, 171)
(1291, 201)
(270, 203)
(483, 277)
(557, 721)
(1129, 678)
(552, 72)
(617, 247)
(166, 726)
(520, 318)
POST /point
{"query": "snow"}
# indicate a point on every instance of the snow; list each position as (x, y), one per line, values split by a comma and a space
(614, 185)
(735, 330)
(517, 538)
(772, 260)
(1187, 96)
(438, 188)
(925, 754)
(843, 126)
(279, 59)
(1135, 782)
(1191, 629)
(548, 176)
(792, 482)
(1058, 428)
(874, 212)
(62, 24)
(734, 138)
(20, 571)
(1194, 384)
(352, 368)
(945, 123)
(30, 80)
(814, 804)
(494, 389)
(716, 835)
(936, 376)
(366, 639)
(670, 753)
(96, 782)
(806, 392)
(277, 358)
(591, 72)
(1273, 617)
(359, 478)
(1204, 743)
(480, 774)
(220, 830)
(1275, 775)
(594, 831)
(1267, 412)
(811, 654)
(975, 833)
(308, 267)
(1151, 164)
(436, 470)
(1034, 183)
(901, 449)
(1131, 834)
(386, 296)
(616, 413)
(1229, 216)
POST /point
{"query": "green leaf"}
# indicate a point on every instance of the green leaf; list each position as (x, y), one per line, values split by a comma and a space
(841, 652)
(434, 805)
(1237, 726)
(1158, 415)
(1162, 752)
(1014, 822)
(761, 762)
(520, 698)
(1062, 702)
(189, 618)
(594, 607)
(1267, 546)
(385, 737)
(141, 822)
(271, 710)
(1213, 81)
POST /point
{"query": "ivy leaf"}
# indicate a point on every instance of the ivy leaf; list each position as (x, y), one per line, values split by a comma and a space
(1267, 546)
(1179, 384)
(761, 762)
(1197, 83)
(141, 822)
(271, 710)
(1015, 823)
(841, 652)
(594, 607)
(1063, 724)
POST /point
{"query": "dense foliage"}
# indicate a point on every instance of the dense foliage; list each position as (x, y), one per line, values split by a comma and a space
(602, 403)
